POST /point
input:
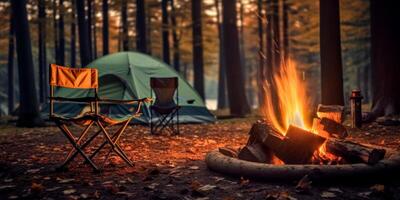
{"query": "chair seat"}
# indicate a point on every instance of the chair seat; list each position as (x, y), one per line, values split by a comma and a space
(164, 109)
(87, 117)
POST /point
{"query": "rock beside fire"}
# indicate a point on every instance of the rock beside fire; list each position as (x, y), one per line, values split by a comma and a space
(333, 112)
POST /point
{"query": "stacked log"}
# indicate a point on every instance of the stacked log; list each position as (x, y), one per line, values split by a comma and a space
(299, 145)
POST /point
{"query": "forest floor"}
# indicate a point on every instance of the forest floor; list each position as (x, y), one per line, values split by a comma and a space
(166, 167)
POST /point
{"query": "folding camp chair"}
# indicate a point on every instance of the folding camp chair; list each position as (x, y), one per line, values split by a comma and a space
(86, 79)
(165, 110)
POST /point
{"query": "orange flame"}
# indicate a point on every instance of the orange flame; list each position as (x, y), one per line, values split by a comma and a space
(291, 98)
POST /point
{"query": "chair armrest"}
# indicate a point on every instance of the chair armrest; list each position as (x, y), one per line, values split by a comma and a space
(82, 100)
(133, 101)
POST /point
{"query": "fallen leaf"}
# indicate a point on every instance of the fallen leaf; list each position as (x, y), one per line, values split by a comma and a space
(194, 185)
(304, 185)
(52, 189)
(335, 190)
(33, 171)
(8, 180)
(66, 180)
(69, 191)
(96, 194)
(244, 182)
(2, 187)
(206, 188)
(37, 188)
(378, 188)
(328, 195)
(129, 180)
(194, 167)
(364, 194)
(111, 188)
(128, 194)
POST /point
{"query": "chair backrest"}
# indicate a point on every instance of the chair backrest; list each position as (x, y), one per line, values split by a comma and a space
(78, 78)
(72, 78)
(164, 89)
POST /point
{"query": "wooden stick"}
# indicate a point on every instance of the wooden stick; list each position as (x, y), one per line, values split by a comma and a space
(355, 153)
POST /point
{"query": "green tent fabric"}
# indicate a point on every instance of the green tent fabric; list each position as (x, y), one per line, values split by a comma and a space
(126, 75)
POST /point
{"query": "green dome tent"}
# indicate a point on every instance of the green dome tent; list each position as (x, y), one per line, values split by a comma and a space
(126, 75)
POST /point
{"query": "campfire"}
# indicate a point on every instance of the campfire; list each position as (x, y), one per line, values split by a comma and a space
(286, 136)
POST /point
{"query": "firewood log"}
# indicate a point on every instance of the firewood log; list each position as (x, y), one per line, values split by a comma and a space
(255, 153)
(329, 128)
(297, 147)
(354, 153)
(333, 112)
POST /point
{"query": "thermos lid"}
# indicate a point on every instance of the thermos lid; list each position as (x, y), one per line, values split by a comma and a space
(356, 94)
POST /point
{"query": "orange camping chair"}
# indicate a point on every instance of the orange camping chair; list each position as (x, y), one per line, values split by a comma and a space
(86, 79)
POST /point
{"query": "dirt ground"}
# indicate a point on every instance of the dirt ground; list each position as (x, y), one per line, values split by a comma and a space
(166, 167)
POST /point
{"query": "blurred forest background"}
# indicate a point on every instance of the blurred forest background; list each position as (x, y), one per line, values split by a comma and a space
(299, 20)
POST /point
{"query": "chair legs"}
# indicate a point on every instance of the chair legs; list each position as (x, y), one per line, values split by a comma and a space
(113, 141)
(78, 147)
(165, 121)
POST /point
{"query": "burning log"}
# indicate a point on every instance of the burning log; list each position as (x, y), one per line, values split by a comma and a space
(296, 148)
(254, 150)
(255, 153)
(329, 128)
(354, 152)
(333, 112)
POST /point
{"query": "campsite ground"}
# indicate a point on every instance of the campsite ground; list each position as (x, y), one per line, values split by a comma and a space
(166, 167)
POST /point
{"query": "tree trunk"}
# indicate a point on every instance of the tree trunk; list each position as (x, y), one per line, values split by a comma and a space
(261, 54)
(148, 29)
(234, 72)
(83, 33)
(10, 67)
(94, 29)
(89, 26)
(197, 48)
(285, 20)
(269, 71)
(55, 33)
(141, 40)
(385, 69)
(246, 70)
(73, 34)
(105, 28)
(222, 96)
(124, 17)
(270, 68)
(165, 31)
(42, 51)
(61, 34)
(331, 59)
(28, 109)
(175, 39)
(276, 34)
